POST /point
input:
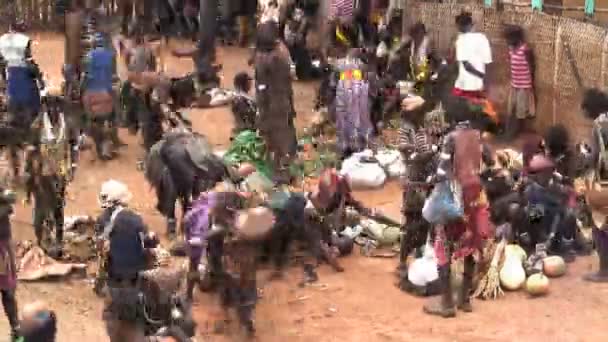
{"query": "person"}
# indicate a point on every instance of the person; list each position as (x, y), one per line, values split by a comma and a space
(418, 150)
(325, 215)
(521, 95)
(205, 72)
(461, 157)
(246, 19)
(97, 96)
(141, 58)
(355, 130)
(343, 30)
(420, 50)
(39, 323)
(24, 81)
(274, 96)
(244, 108)
(553, 224)
(235, 280)
(295, 32)
(595, 108)
(8, 268)
(123, 239)
(48, 172)
(600, 238)
(473, 54)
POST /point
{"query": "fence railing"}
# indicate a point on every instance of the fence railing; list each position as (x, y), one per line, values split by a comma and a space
(560, 45)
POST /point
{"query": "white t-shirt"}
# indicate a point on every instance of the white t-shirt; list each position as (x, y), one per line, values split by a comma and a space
(472, 47)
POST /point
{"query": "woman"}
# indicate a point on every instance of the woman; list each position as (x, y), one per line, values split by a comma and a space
(274, 97)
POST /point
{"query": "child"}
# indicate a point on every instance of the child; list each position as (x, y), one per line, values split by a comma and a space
(243, 106)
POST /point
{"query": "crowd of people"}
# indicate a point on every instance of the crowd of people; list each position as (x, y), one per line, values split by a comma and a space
(456, 189)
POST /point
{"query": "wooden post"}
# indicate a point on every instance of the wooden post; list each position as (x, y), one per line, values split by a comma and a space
(73, 28)
(604, 70)
(207, 28)
(558, 54)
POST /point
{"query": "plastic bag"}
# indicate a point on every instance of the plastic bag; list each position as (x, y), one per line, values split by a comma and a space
(363, 174)
(442, 206)
(424, 270)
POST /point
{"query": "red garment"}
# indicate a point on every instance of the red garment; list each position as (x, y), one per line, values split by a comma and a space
(477, 98)
(467, 160)
(344, 9)
(521, 74)
(477, 223)
(468, 94)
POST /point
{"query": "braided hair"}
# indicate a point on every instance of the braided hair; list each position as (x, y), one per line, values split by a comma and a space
(595, 102)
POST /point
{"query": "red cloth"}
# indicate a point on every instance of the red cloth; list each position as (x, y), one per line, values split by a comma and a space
(477, 223)
(469, 95)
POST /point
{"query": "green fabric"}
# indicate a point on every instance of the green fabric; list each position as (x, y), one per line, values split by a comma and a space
(248, 147)
(319, 158)
(488, 3)
(537, 5)
(589, 7)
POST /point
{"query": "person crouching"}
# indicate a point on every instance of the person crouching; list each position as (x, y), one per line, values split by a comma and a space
(123, 236)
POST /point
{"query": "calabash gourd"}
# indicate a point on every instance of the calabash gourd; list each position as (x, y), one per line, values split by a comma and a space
(537, 284)
(554, 266)
(512, 274)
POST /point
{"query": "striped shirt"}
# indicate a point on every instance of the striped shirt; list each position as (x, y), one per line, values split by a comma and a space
(521, 75)
(343, 9)
(412, 139)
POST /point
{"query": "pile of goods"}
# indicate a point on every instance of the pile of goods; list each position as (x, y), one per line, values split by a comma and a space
(248, 147)
(517, 271)
(369, 170)
(313, 156)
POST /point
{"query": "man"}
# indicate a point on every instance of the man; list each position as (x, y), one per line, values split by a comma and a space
(521, 97)
(274, 96)
(123, 238)
(24, 80)
(8, 269)
(295, 32)
(460, 161)
(97, 96)
(473, 54)
(48, 171)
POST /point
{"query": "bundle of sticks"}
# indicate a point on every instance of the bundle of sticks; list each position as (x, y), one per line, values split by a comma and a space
(489, 285)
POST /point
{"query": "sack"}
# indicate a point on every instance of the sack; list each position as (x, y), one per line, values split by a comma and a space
(362, 174)
(442, 207)
(382, 233)
(392, 162)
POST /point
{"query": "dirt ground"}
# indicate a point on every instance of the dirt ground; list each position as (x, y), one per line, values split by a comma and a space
(361, 304)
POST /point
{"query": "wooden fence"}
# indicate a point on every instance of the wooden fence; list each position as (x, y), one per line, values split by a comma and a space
(41, 14)
(560, 46)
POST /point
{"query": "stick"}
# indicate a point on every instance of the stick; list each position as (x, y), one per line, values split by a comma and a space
(299, 299)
